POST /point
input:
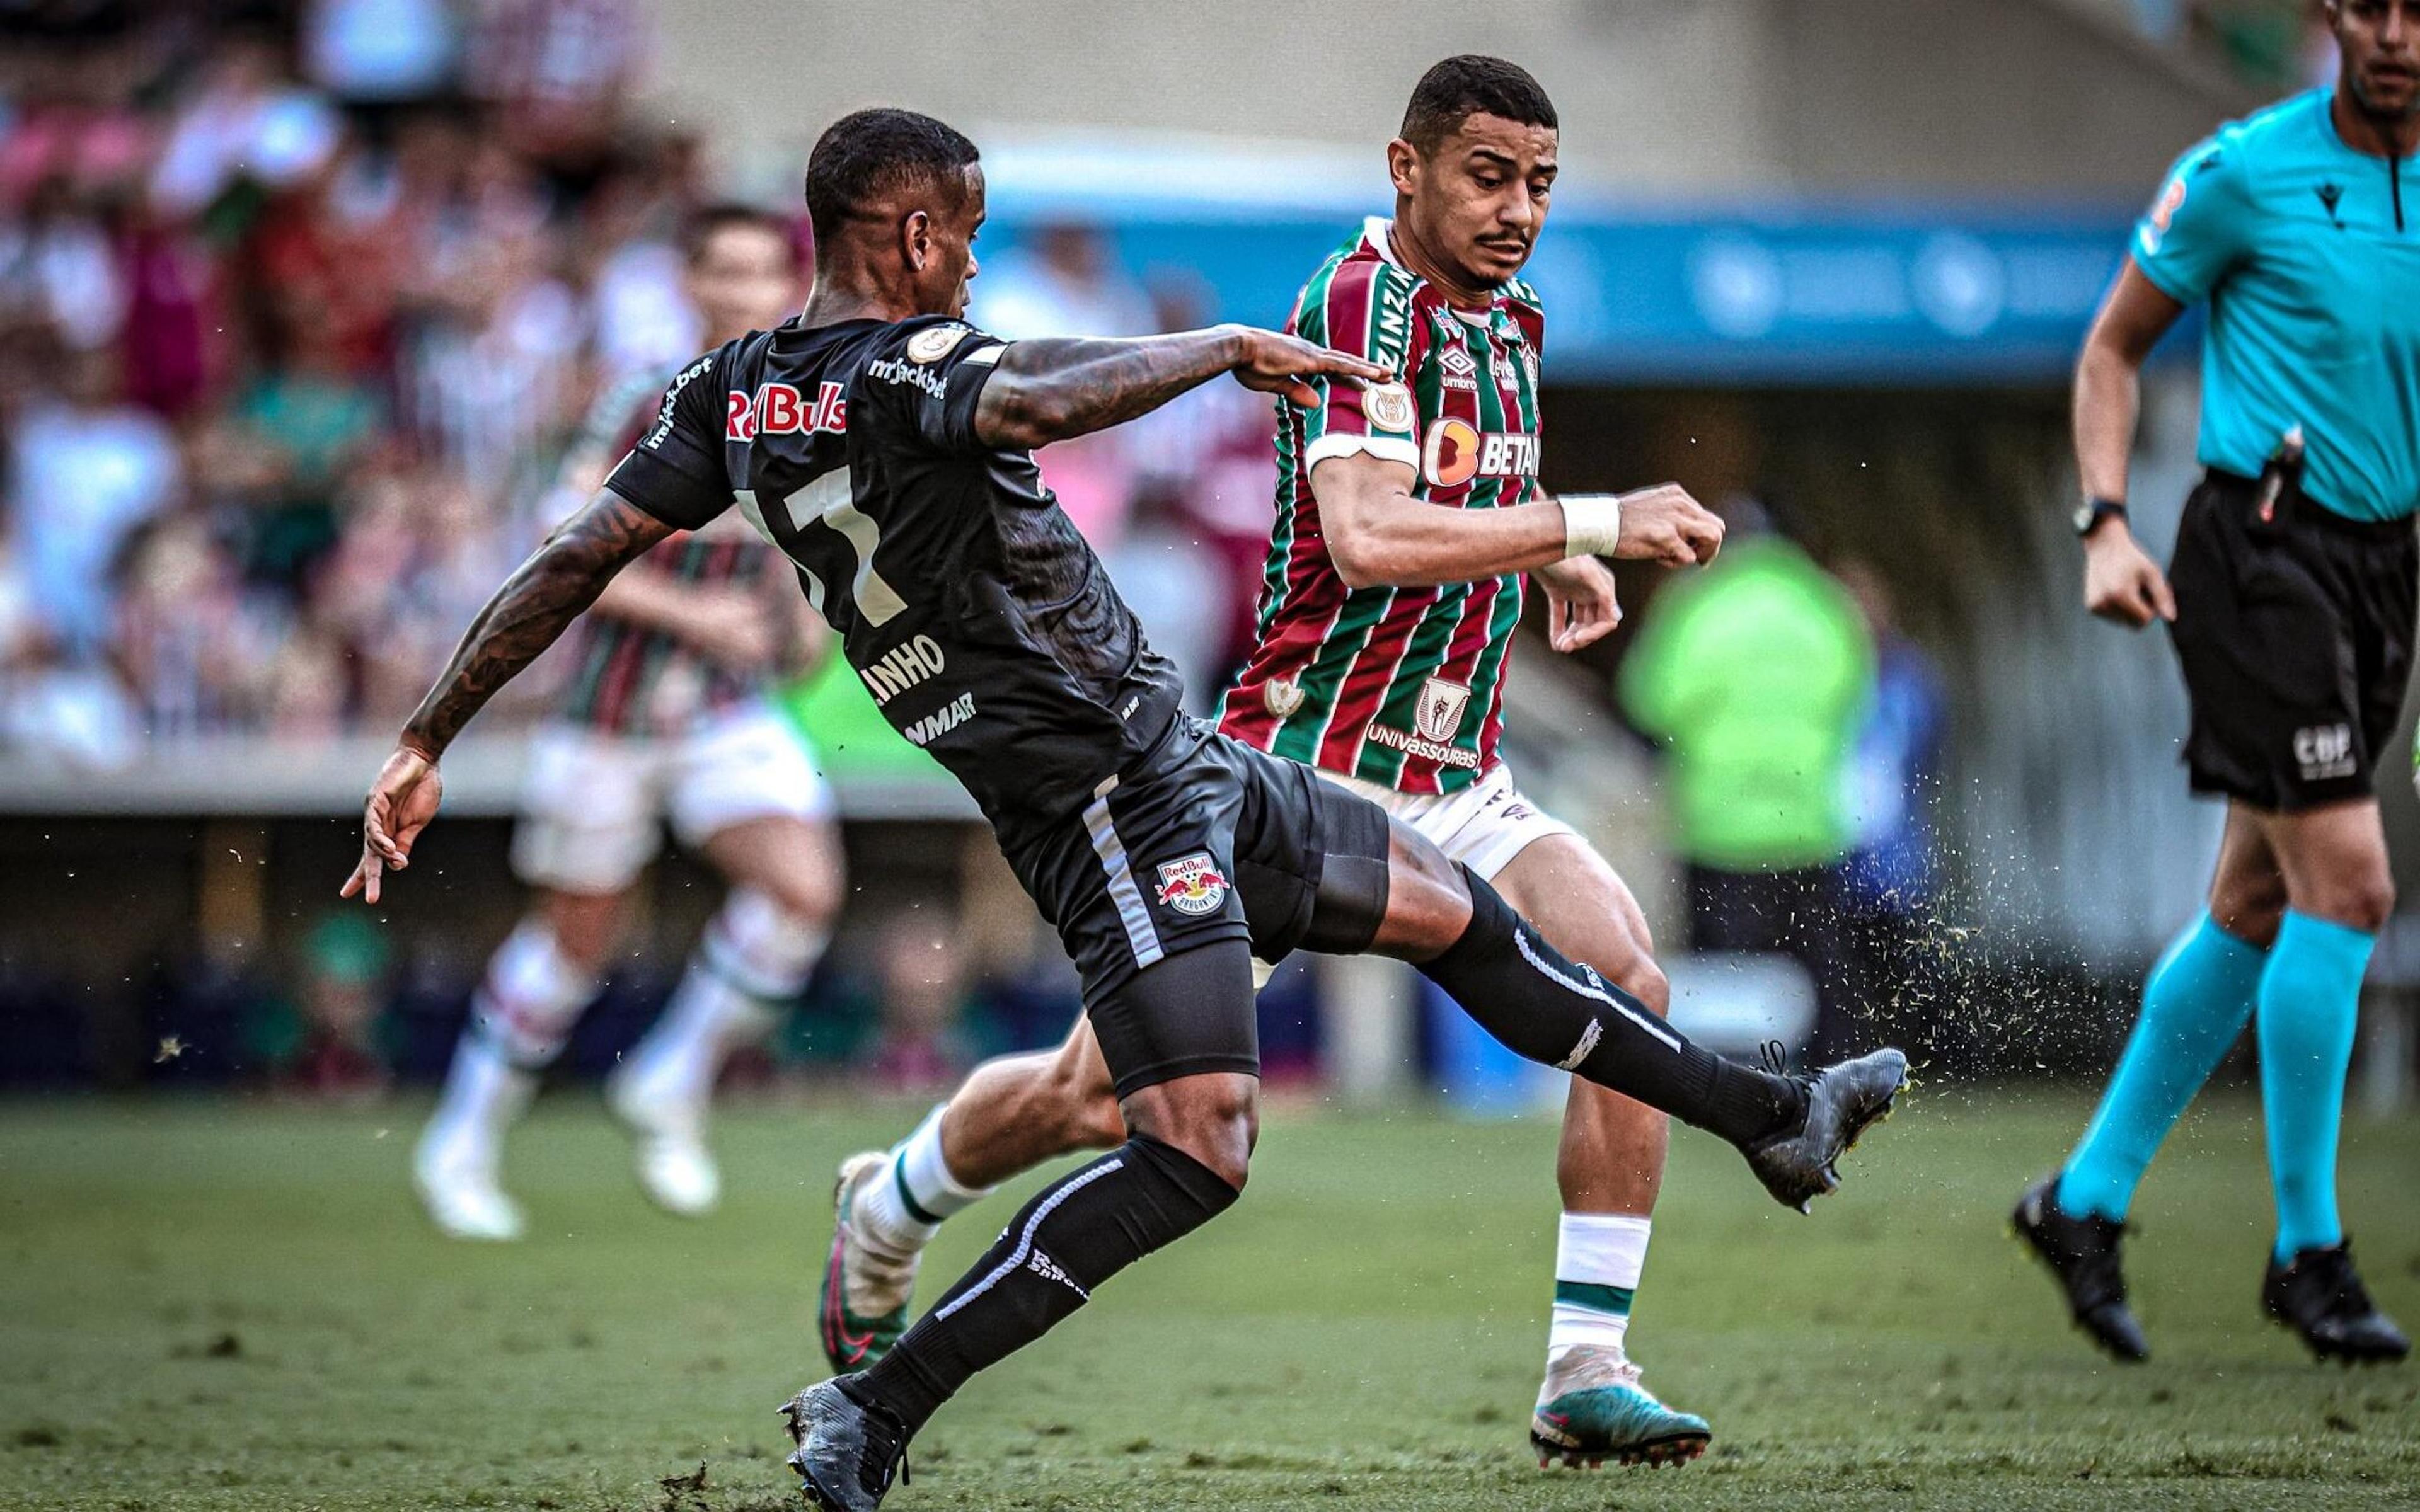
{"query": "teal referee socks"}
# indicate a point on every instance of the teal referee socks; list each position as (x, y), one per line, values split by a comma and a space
(2195, 1004)
(2310, 1004)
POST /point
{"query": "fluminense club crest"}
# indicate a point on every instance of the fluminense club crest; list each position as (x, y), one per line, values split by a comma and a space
(1438, 715)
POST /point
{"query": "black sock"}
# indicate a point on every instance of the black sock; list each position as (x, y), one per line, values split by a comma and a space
(1521, 989)
(1075, 1234)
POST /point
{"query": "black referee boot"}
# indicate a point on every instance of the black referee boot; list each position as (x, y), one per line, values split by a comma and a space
(2082, 1253)
(2319, 1296)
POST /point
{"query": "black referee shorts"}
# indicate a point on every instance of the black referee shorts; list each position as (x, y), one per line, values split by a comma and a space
(1204, 840)
(2295, 634)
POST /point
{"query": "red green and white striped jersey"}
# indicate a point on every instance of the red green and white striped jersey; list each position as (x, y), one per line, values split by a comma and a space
(627, 679)
(1401, 686)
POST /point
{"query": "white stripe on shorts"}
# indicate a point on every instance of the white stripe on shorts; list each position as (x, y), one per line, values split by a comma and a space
(1132, 911)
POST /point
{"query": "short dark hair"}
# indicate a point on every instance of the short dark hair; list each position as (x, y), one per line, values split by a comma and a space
(1467, 85)
(871, 152)
(703, 225)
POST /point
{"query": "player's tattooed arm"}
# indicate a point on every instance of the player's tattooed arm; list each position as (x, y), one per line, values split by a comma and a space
(530, 611)
(1048, 391)
(526, 615)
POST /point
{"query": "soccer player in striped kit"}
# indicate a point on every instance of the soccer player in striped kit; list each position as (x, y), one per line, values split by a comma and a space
(665, 715)
(1387, 617)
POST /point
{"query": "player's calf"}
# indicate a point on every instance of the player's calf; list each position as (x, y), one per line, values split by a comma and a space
(1524, 992)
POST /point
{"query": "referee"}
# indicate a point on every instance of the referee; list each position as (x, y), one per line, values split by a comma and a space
(2291, 602)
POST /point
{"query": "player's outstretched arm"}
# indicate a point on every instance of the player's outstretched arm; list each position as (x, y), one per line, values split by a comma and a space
(1051, 390)
(2120, 580)
(1378, 533)
(526, 615)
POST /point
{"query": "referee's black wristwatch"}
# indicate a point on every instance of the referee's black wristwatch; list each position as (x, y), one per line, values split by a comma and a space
(2089, 513)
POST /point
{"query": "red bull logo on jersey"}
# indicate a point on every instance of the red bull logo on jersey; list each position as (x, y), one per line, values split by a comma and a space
(780, 409)
(1456, 451)
(1193, 884)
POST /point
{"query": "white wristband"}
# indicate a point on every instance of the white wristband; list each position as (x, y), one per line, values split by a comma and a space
(1591, 523)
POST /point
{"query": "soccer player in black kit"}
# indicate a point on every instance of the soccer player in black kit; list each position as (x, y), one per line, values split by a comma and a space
(884, 446)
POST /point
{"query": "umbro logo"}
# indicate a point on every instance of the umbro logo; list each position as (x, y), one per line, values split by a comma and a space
(2330, 193)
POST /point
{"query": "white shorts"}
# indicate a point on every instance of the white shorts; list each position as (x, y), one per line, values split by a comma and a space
(593, 804)
(1483, 826)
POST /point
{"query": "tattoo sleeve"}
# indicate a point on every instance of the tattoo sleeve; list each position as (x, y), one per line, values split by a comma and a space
(542, 596)
(1050, 390)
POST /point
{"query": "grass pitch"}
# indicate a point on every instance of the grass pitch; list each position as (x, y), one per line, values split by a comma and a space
(219, 1305)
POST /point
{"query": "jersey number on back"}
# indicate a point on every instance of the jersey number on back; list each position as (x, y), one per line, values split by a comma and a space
(827, 500)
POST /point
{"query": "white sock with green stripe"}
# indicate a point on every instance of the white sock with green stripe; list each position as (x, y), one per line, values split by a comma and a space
(1598, 1258)
(905, 1210)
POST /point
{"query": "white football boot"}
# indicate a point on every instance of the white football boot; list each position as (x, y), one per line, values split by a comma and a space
(455, 1166)
(675, 1168)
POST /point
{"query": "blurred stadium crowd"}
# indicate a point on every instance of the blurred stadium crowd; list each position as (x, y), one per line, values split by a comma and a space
(300, 305)
(297, 309)
(293, 310)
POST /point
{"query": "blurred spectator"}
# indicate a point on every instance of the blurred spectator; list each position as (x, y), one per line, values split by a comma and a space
(374, 53)
(558, 71)
(336, 1050)
(55, 713)
(487, 378)
(247, 122)
(182, 645)
(1208, 485)
(57, 270)
(1755, 674)
(85, 468)
(1067, 283)
(369, 259)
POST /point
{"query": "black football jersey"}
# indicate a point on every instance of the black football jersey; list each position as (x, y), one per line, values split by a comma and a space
(975, 613)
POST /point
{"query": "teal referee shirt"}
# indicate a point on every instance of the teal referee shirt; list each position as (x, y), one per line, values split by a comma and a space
(2309, 253)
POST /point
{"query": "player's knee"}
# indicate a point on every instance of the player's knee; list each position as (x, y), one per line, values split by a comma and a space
(768, 946)
(1642, 978)
(808, 892)
(1224, 1145)
(1214, 1119)
(2364, 902)
(585, 927)
(2249, 907)
(1428, 901)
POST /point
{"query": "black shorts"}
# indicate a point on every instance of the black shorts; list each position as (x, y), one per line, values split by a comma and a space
(2295, 634)
(1205, 840)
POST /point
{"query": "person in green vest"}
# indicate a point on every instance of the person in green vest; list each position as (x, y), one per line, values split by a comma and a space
(1755, 675)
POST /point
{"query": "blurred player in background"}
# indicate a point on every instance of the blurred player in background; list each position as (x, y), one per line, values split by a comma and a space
(1387, 618)
(664, 715)
(2291, 598)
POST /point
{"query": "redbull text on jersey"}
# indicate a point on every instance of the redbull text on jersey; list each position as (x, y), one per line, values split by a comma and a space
(779, 409)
